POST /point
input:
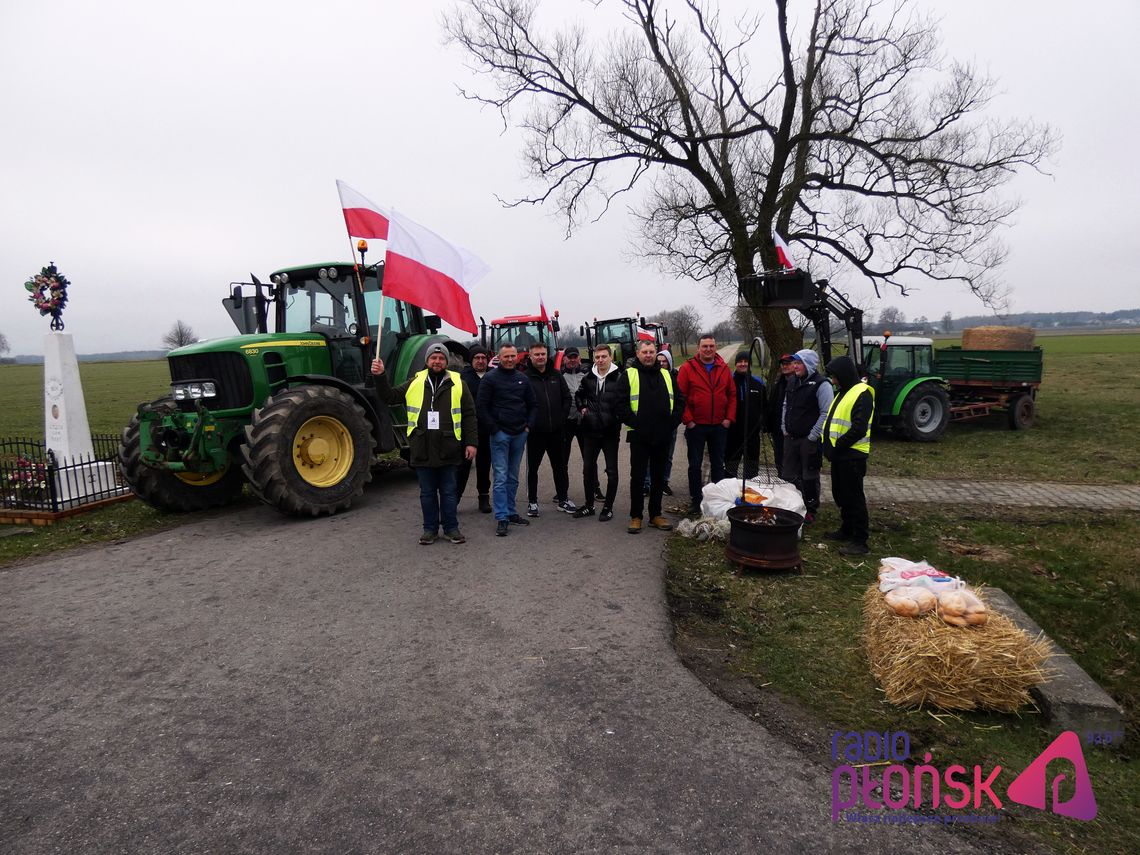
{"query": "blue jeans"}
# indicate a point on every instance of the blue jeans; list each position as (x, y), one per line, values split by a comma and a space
(439, 497)
(506, 455)
(696, 437)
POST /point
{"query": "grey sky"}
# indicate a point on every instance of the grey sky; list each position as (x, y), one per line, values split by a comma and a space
(158, 151)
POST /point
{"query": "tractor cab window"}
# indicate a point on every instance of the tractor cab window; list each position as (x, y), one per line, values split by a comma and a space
(522, 336)
(392, 324)
(923, 360)
(899, 362)
(872, 362)
(320, 305)
(615, 333)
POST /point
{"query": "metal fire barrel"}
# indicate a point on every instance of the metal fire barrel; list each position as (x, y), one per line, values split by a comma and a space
(762, 538)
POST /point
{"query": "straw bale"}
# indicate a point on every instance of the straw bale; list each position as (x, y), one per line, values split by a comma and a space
(998, 338)
(925, 661)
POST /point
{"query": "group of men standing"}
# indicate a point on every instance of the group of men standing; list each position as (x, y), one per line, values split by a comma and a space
(486, 417)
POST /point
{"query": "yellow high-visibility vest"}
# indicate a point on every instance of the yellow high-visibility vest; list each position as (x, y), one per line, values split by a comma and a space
(635, 388)
(414, 401)
(839, 417)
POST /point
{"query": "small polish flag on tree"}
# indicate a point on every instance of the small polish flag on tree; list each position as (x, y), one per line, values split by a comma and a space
(420, 266)
(783, 252)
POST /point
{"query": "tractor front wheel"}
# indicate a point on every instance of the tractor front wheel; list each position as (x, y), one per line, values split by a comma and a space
(308, 451)
(925, 413)
(174, 491)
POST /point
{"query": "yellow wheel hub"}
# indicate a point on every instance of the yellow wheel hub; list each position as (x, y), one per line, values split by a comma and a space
(200, 479)
(323, 451)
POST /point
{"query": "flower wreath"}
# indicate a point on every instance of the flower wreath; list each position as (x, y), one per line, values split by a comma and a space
(47, 291)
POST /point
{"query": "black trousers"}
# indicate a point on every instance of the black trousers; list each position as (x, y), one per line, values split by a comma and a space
(653, 457)
(608, 446)
(551, 445)
(847, 490)
(482, 467)
(803, 459)
(737, 449)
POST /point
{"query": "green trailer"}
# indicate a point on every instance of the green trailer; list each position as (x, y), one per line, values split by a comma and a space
(984, 381)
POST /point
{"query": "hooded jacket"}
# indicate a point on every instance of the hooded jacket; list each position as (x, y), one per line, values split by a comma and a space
(552, 396)
(807, 400)
(843, 369)
(601, 399)
(710, 396)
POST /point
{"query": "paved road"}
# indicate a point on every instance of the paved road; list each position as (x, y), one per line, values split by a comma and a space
(257, 684)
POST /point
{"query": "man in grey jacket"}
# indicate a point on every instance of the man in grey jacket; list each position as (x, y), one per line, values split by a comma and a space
(806, 403)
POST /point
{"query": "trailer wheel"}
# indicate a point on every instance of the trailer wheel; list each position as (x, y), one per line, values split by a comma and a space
(308, 451)
(925, 413)
(1022, 409)
(174, 491)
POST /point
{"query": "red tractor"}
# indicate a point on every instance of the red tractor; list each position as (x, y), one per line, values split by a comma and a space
(522, 331)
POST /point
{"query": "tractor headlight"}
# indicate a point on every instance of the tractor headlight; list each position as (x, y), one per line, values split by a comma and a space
(193, 391)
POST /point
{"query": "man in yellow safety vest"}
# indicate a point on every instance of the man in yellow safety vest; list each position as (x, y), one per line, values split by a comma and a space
(442, 433)
(847, 444)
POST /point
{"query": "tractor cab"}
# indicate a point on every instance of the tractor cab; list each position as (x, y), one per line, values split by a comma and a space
(892, 362)
(522, 331)
(623, 335)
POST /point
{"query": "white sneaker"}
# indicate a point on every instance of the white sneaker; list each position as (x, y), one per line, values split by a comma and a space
(567, 506)
(532, 509)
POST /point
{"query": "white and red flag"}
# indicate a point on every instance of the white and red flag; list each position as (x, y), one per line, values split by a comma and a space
(644, 334)
(420, 266)
(542, 313)
(783, 251)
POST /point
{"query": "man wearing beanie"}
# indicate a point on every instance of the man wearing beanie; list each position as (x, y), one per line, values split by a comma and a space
(805, 407)
(442, 432)
(472, 374)
(744, 439)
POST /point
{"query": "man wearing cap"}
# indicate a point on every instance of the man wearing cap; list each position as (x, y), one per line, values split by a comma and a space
(805, 407)
(507, 405)
(774, 415)
(744, 439)
(847, 444)
(471, 375)
(442, 433)
(710, 407)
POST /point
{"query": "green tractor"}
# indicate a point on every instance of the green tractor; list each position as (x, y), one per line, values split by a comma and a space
(292, 413)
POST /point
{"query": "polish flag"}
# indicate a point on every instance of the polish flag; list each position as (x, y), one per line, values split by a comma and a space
(420, 266)
(783, 252)
(542, 313)
(645, 335)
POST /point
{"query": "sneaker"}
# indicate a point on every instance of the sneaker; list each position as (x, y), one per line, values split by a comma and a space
(484, 504)
(838, 534)
(584, 511)
(606, 515)
(661, 523)
(854, 549)
(502, 527)
(566, 506)
(427, 538)
(667, 490)
(531, 510)
(515, 519)
(455, 536)
(634, 525)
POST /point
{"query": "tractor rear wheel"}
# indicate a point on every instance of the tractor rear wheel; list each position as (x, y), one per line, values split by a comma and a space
(174, 491)
(308, 451)
(925, 413)
(1022, 409)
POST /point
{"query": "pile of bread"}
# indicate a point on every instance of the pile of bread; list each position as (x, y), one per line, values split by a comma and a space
(915, 589)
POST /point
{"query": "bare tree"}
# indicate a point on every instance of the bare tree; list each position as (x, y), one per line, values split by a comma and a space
(891, 316)
(179, 335)
(947, 322)
(684, 326)
(4, 346)
(865, 149)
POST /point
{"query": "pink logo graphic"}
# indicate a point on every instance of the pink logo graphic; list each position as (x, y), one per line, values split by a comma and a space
(1030, 788)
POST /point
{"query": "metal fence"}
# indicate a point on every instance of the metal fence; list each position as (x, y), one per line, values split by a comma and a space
(32, 479)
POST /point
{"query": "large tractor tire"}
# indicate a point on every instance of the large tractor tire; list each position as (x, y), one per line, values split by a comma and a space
(1022, 410)
(174, 491)
(308, 451)
(925, 413)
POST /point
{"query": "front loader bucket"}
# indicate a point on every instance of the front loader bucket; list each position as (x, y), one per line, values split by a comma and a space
(779, 289)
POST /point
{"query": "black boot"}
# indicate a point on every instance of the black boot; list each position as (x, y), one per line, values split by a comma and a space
(484, 503)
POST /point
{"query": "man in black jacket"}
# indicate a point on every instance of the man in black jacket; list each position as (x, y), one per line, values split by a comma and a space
(774, 414)
(651, 405)
(847, 444)
(471, 375)
(597, 403)
(744, 439)
(554, 403)
(506, 404)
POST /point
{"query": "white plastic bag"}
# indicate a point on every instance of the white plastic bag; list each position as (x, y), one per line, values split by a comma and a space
(722, 495)
(899, 573)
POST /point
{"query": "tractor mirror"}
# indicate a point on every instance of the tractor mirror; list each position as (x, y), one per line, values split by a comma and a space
(236, 298)
(554, 324)
(433, 323)
(582, 330)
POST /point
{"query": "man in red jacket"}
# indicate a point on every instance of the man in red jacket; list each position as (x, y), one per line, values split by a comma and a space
(710, 407)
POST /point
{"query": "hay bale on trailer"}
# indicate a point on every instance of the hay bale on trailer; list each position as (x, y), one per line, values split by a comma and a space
(998, 338)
